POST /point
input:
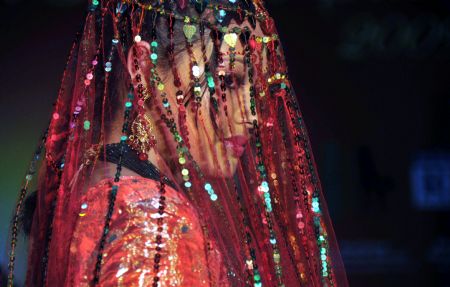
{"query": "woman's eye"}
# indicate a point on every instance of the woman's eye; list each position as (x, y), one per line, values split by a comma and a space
(233, 81)
(229, 80)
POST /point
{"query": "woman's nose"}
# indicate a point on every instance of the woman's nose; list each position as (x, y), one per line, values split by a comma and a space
(242, 111)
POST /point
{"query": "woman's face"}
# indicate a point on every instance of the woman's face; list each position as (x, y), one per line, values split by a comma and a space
(217, 139)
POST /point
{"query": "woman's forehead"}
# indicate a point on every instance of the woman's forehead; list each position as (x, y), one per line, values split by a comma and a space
(254, 30)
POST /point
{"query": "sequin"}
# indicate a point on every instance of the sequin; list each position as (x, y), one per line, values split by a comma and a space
(196, 71)
(87, 125)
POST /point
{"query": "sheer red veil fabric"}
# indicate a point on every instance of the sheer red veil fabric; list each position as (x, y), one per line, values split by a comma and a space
(270, 220)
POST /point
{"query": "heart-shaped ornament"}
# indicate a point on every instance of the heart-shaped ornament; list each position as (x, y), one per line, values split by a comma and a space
(189, 31)
(231, 39)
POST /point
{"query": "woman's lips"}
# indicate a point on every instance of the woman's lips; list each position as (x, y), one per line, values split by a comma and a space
(236, 144)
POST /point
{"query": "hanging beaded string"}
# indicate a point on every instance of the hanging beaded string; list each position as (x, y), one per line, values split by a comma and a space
(182, 146)
(222, 210)
(60, 167)
(158, 237)
(304, 153)
(312, 201)
(264, 185)
(220, 74)
(300, 217)
(231, 39)
(251, 262)
(250, 252)
(183, 151)
(250, 256)
(162, 198)
(123, 139)
(265, 190)
(211, 85)
(209, 76)
(156, 81)
(244, 34)
(211, 89)
(180, 97)
(19, 205)
(114, 190)
(278, 86)
(189, 31)
(182, 110)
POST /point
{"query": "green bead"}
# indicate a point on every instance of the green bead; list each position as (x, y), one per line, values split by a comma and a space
(87, 125)
(154, 44)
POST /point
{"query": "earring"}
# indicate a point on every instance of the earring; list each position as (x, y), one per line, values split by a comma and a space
(142, 139)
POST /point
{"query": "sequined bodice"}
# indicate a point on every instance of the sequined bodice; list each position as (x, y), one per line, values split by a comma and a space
(187, 259)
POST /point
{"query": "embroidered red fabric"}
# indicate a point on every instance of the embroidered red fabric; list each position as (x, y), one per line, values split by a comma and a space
(129, 252)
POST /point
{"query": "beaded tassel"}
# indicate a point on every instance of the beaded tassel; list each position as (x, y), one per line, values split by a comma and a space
(19, 206)
(113, 193)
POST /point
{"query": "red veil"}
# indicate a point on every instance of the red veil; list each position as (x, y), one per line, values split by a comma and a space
(270, 219)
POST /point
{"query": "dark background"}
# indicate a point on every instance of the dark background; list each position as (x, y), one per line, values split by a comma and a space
(372, 78)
